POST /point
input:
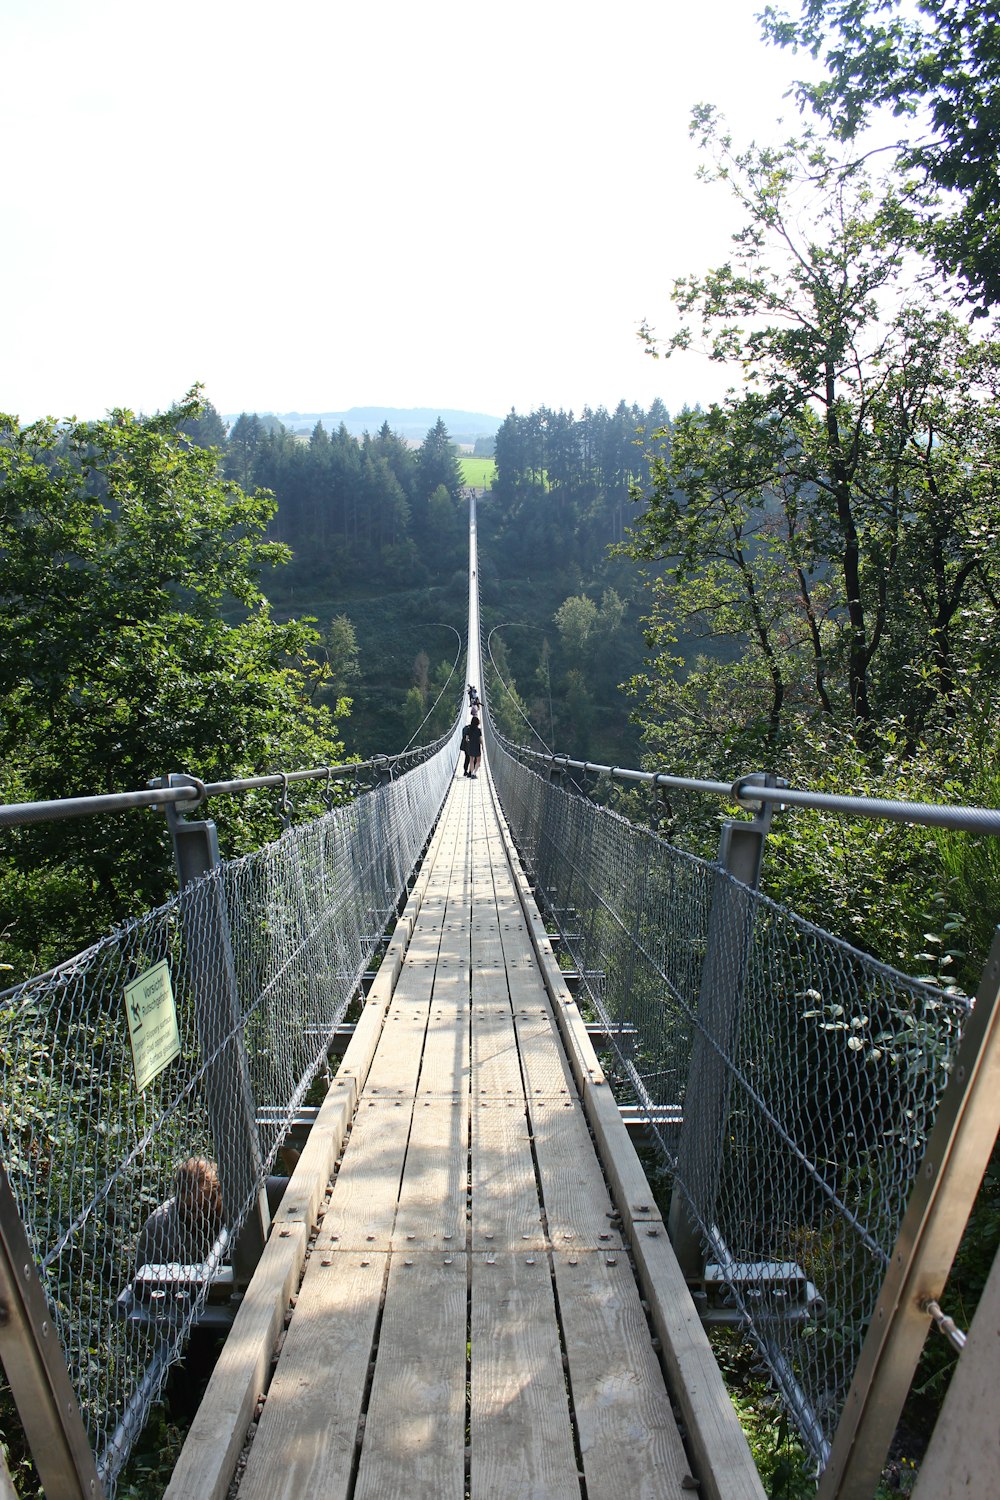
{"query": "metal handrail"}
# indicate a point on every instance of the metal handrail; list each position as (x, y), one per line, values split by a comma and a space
(192, 793)
(749, 794)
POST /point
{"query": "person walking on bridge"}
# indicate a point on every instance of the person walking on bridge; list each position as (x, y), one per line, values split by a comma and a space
(475, 742)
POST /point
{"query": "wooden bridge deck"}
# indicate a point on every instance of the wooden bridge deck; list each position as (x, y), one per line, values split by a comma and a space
(468, 1320)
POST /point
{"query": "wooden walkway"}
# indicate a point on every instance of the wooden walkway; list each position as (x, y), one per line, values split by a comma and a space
(467, 1317)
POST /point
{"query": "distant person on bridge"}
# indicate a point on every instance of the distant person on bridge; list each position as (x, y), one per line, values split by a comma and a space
(464, 747)
(475, 734)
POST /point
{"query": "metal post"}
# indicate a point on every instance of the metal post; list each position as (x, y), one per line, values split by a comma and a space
(706, 1096)
(958, 1150)
(229, 1093)
(36, 1368)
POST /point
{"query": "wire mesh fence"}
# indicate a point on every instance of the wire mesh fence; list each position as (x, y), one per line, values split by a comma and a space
(132, 1198)
(790, 1080)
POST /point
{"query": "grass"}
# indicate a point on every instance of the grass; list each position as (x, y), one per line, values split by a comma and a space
(478, 472)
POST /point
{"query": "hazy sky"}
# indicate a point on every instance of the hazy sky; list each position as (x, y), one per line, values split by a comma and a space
(318, 205)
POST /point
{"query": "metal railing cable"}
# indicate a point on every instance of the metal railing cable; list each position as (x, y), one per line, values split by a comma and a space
(446, 686)
(195, 791)
(789, 1080)
(505, 688)
(750, 793)
(264, 955)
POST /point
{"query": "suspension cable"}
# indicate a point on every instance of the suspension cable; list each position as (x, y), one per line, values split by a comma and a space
(437, 700)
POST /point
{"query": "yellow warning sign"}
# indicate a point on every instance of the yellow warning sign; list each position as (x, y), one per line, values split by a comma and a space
(152, 1023)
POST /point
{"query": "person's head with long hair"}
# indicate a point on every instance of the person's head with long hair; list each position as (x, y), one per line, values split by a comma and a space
(199, 1200)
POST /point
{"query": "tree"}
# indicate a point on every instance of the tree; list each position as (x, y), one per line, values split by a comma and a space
(507, 708)
(241, 451)
(414, 709)
(134, 640)
(421, 674)
(437, 464)
(576, 619)
(447, 530)
(342, 662)
(208, 429)
(543, 676)
(937, 68)
(834, 522)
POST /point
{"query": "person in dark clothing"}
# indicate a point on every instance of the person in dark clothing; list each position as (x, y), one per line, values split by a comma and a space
(475, 745)
(186, 1227)
(463, 745)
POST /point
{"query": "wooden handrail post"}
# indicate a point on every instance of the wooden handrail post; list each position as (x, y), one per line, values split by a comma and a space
(36, 1368)
(945, 1189)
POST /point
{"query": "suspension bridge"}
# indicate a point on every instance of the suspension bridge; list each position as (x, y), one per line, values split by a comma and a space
(418, 1036)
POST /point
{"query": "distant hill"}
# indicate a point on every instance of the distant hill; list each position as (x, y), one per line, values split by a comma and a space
(412, 423)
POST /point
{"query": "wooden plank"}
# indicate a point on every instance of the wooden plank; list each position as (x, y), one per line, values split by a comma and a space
(445, 1066)
(583, 1060)
(451, 981)
(416, 980)
(719, 1451)
(212, 1448)
(452, 968)
(506, 1213)
(423, 950)
(305, 1441)
(578, 1206)
(629, 1186)
(314, 1168)
(496, 1062)
(457, 930)
(414, 1447)
(625, 1426)
(521, 1443)
(964, 1454)
(362, 1208)
(396, 1064)
(516, 938)
(434, 1190)
(546, 1071)
(487, 949)
(360, 1050)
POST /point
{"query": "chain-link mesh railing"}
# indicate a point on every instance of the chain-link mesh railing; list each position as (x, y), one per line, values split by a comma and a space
(790, 1081)
(264, 955)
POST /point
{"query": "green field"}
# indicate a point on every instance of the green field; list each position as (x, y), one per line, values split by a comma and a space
(478, 472)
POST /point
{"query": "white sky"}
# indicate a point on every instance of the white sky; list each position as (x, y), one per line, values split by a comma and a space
(318, 205)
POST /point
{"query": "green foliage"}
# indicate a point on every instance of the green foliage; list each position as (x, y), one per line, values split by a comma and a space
(835, 522)
(135, 640)
(342, 667)
(563, 484)
(507, 707)
(149, 1469)
(782, 1462)
(829, 541)
(378, 528)
(940, 57)
(576, 621)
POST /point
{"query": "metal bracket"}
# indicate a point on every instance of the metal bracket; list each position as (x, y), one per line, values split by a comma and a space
(284, 806)
(763, 812)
